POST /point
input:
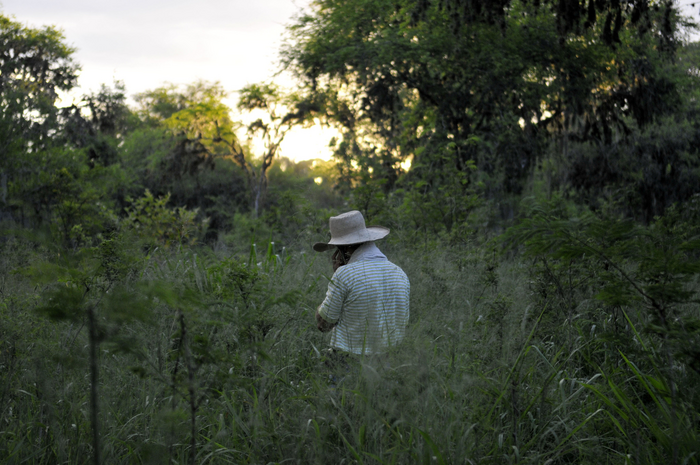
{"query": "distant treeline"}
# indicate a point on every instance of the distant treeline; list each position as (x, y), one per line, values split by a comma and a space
(595, 103)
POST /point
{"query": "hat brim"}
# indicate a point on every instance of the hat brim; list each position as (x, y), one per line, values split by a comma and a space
(372, 233)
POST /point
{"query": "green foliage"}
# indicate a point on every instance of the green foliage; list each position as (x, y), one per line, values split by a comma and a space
(197, 118)
(157, 225)
(223, 362)
(92, 276)
(91, 287)
(664, 259)
(204, 131)
(201, 114)
(99, 123)
(35, 65)
(639, 276)
(494, 84)
(438, 199)
(66, 196)
(648, 405)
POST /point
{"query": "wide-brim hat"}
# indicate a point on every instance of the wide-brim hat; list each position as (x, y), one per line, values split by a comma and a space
(349, 228)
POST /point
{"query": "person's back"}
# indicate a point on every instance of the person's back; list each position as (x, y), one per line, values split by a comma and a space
(367, 303)
(368, 300)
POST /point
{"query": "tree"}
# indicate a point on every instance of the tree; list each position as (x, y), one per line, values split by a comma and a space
(451, 83)
(195, 116)
(47, 174)
(98, 123)
(204, 130)
(281, 113)
(656, 165)
(35, 64)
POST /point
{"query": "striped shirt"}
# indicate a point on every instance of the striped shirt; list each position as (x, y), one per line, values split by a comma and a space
(368, 299)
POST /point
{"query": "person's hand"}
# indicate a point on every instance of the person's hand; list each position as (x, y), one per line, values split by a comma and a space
(322, 324)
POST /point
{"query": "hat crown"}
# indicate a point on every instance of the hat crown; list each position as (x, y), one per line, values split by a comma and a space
(349, 228)
(346, 224)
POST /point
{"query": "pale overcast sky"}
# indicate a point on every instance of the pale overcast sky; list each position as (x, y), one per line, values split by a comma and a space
(145, 43)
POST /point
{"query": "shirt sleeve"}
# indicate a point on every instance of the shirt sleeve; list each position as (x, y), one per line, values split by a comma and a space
(332, 305)
(408, 301)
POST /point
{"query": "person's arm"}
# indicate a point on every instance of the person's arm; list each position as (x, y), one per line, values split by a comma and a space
(322, 324)
(328, 313)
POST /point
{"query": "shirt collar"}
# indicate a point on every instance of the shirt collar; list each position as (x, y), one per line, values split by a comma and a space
(367, 251)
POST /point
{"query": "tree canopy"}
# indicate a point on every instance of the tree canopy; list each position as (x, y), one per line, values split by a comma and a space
(449, 83)
(35, 65)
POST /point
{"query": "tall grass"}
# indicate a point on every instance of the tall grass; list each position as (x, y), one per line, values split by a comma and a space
(228, 367)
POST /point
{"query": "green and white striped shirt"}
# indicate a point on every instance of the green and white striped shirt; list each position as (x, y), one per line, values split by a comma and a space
(368, 298)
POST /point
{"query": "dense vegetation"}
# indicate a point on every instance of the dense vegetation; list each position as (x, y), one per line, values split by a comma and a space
(157, 285)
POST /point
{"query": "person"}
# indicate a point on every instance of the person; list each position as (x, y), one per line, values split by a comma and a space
(366, 307)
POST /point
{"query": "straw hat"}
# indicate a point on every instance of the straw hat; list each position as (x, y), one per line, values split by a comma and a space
(349, 228)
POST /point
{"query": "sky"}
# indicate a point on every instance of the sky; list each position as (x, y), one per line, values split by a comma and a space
(146, 43)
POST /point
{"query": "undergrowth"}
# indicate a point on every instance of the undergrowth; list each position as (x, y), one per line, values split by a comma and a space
(570, 351)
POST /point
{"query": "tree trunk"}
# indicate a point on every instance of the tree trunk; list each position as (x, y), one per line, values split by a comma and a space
(94, 414)
(259, 188)
(256, 200)
(3, 187)
(191, 389)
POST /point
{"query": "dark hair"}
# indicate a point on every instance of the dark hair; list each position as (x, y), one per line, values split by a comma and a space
(346, 251)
